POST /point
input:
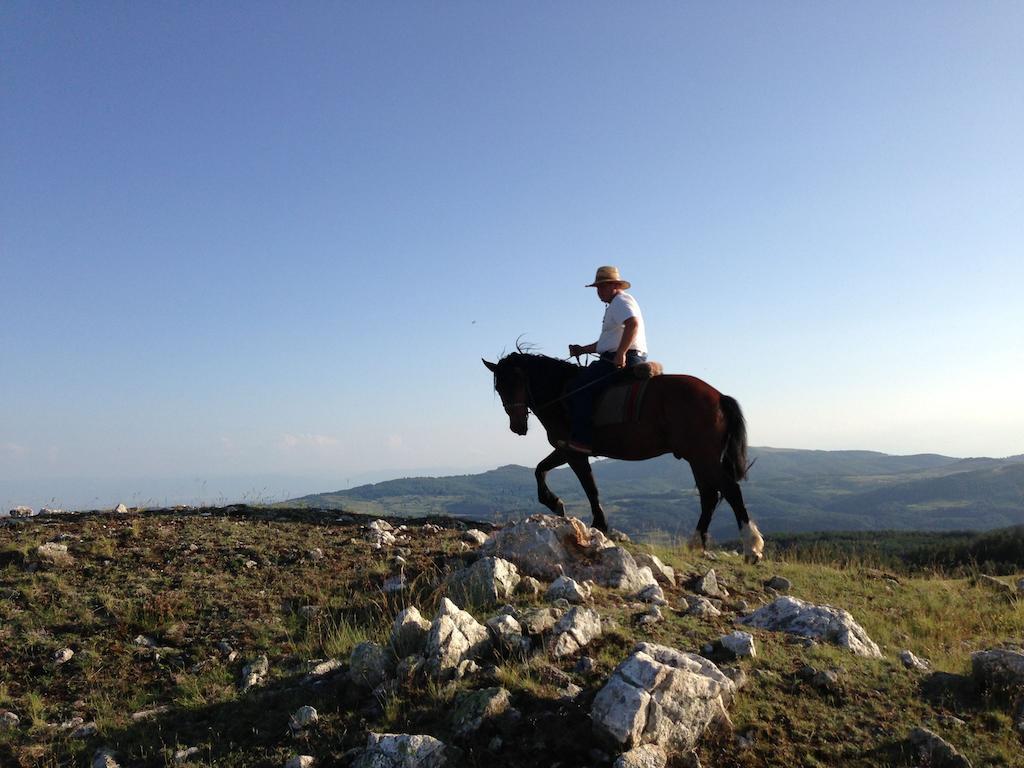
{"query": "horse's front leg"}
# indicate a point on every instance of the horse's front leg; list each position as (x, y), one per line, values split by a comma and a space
(544, 494)
(580, 464)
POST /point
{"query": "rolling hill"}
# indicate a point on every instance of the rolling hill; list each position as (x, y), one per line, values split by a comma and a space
(788, 490)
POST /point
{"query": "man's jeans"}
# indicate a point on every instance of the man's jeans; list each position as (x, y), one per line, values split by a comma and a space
(588, 384)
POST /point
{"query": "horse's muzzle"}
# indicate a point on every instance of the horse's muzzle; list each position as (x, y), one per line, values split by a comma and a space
(517, 425)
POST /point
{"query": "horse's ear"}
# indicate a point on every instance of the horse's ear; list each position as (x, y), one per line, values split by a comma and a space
(492, 367)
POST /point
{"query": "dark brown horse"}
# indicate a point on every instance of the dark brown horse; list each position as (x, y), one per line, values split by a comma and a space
(681, 415)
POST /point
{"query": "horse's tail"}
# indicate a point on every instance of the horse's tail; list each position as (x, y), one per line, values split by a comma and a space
(734, 454)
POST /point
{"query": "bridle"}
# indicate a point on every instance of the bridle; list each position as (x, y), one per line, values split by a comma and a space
(527, 403)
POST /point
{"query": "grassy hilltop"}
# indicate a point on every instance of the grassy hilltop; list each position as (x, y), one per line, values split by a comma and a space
(154, 604)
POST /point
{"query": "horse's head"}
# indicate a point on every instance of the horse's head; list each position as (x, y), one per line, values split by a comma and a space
(512, 386)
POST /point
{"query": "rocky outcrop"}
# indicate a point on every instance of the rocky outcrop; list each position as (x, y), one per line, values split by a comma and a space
(546, 547)
(820, 622)
(661, 696)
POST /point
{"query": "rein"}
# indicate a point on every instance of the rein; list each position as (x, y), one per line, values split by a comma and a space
(570, 393)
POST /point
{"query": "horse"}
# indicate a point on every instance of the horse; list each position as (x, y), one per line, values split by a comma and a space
(681, 415)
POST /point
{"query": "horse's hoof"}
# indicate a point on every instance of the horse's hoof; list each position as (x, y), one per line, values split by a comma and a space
(753, 559)
(560, 509)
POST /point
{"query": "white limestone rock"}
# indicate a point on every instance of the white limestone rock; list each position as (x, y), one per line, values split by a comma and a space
(661, 696)
(380, 534)
(665, 574)
(455, 636)
(185, 754)
(325, 668)
(574, 631)
(701, 606)
(303, 717)
(104, 758)
(254, 673)
(818, 622)
(652, 594)
(409, 632)
(708, 586)
(391, 750)
(488, 581)
(935, 751)
(53, 553)
(644, 756)
(507, 634)
(569, 589)
(477, 707)
(999, 669)
(547, 546)
(474, 536)
(910, 661)
(741, 644)
(371, 664)
(540, 620)
(779, 584)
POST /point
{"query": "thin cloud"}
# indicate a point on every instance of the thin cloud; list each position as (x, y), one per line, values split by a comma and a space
(292, 442)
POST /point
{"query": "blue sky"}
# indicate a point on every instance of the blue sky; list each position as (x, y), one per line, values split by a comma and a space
(269, 239)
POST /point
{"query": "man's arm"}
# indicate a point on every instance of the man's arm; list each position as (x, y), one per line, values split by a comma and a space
(575, 350)
(629, 331)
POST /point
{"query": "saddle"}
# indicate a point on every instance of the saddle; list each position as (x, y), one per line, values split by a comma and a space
(620, 403)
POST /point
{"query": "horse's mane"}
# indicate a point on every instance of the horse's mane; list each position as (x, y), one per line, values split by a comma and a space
(532, 363)
(547, 375)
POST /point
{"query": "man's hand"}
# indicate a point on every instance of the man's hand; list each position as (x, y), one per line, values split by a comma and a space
(620, 359)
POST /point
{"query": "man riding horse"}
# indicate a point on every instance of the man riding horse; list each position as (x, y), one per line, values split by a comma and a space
(677, 414)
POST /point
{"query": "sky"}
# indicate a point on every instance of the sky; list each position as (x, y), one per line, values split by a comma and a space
(273, 241)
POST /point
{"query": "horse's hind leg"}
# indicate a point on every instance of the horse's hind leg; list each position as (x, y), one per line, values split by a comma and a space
(544, 494)
(581, 466)
(709, 498)
(753, 543)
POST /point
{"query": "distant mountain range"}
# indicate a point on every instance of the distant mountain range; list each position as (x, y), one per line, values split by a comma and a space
(787, 490)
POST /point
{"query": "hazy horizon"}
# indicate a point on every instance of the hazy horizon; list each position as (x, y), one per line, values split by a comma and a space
(70, 493)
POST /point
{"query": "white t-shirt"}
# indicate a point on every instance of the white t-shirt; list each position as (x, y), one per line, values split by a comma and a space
(618, 311)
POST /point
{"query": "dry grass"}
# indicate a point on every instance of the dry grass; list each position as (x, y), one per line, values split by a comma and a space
(191, 581)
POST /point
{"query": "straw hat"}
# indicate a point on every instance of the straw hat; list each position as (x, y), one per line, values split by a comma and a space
(608, 275)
